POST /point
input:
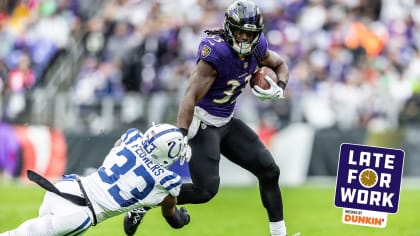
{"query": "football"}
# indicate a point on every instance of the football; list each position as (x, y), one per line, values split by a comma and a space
(258, 77)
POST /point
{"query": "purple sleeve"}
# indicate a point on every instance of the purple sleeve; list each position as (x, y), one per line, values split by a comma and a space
(211, 50)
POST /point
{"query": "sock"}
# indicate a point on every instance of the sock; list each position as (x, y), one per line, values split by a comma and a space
(278, 228)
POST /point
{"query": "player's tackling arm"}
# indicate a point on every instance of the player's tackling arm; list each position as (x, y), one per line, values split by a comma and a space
(202, 77)
(175, 217)
(277, 63)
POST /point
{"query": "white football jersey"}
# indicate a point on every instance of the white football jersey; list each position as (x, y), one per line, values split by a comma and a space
(127, 180)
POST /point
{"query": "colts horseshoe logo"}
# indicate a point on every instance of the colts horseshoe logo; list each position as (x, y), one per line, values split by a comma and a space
(173, 150)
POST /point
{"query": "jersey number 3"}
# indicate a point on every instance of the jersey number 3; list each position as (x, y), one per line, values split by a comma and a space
(117, 171)
(233, 84)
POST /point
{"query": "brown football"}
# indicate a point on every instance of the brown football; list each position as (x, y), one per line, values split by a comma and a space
(258, 77)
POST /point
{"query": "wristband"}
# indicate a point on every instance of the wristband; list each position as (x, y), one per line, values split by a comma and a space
(281, 84)
(184, 131)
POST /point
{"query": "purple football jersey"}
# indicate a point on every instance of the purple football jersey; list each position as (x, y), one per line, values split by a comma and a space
(232, 72)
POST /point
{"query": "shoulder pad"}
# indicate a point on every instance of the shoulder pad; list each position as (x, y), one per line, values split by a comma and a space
(130, 135)
(213, 49)
(261, 48)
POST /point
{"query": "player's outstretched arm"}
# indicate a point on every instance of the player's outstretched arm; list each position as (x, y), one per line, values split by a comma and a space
(175, 217)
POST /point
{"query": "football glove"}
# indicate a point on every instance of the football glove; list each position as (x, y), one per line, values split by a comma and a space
(185, 154)
(274, 92)
(179, 219)
(185, 215)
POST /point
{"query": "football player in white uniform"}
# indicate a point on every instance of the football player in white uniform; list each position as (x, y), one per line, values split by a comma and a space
(133, 175)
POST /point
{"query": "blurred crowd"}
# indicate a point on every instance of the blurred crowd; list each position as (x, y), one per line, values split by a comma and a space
(33, 33)
(352, 63)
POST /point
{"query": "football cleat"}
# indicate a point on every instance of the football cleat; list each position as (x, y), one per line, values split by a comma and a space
(132, 220)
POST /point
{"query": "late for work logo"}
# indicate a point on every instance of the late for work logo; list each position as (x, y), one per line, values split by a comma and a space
(368, 178)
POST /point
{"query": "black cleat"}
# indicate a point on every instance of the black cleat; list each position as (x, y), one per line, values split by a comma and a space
(132, 220)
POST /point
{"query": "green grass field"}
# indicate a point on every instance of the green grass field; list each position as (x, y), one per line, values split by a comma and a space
(234, 212)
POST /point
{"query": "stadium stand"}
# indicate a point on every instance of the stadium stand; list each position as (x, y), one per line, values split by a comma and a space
(100, 66)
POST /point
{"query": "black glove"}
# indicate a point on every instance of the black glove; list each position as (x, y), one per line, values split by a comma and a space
(179, 219)
(185, 215)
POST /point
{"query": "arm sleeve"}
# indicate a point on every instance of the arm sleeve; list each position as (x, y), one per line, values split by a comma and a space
(172, 183)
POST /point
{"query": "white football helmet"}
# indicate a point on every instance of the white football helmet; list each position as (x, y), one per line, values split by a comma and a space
(164, 144)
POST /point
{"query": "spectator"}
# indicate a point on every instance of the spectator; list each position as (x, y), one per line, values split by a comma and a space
(19, 81)
(410, 115)
(22, 77)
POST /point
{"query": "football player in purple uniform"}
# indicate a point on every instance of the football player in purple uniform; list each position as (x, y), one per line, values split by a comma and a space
(226, 60)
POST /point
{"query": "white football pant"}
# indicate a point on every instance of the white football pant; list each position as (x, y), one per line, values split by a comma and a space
(57, 216)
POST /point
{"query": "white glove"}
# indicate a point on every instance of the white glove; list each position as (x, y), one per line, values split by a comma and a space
(274, 92)
(185, 154)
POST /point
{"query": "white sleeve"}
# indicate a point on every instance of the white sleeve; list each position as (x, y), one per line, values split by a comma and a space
(172, 183)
